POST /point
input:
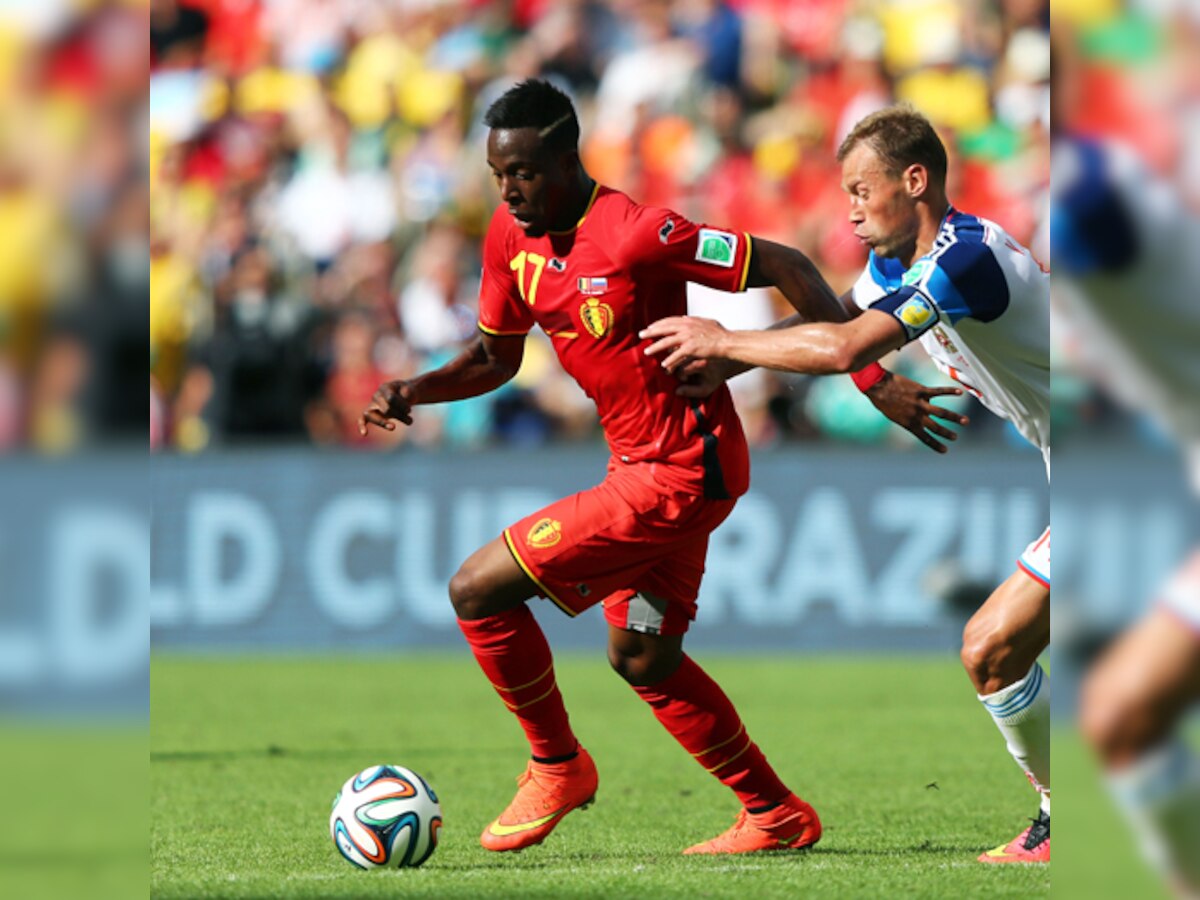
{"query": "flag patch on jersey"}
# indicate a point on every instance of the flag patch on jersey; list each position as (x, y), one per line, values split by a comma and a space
(593, 286)
(717, 248)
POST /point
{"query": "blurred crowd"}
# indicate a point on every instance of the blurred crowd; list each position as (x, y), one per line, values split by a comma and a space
(73, 198)
(319, 190)
(1134, 86)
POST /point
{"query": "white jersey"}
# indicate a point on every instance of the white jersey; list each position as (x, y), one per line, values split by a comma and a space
(1127, 249)
(980, 305)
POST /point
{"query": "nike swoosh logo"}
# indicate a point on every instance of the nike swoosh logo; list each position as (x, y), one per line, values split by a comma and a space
(998, 852)
(505, 830)
(783, 842)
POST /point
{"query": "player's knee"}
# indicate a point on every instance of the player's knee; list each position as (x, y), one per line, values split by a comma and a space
(630, 666)
(1110, 720)
(976, 651)
(621, 662)
(983, 656)
(469, 594)
(1097, 720)
(643, 668)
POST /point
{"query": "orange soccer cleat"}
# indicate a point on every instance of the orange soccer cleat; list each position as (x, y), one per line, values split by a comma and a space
(546, 793)
(1031, 846)
(792, 825)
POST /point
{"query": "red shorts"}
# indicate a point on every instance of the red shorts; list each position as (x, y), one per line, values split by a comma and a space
(630, 542)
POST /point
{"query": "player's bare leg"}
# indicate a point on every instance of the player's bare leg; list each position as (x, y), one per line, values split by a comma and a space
(489, 593)
(1001, 646)
(1132, 702)
(489, 582)
(694, 709)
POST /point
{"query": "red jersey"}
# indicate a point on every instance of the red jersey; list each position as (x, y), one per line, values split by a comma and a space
(592, 289)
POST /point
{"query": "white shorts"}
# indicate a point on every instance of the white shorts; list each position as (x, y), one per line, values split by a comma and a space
(1035, 561)
(1181, 596)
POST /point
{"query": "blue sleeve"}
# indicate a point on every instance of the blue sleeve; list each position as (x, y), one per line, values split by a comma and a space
(968, 283)
(915, 312)
(1091, 230)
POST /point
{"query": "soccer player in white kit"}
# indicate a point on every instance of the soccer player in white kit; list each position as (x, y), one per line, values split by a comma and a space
(979, 304)
(1127, 248)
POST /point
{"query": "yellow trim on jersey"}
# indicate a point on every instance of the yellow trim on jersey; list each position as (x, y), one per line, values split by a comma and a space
(512, 548)
(746, 264)
(588, 209)
(494, 333)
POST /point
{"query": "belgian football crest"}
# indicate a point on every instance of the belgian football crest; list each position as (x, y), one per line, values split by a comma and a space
(597, 317)
(544, 533)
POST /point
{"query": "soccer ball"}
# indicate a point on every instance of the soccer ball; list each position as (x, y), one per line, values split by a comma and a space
(385, 816)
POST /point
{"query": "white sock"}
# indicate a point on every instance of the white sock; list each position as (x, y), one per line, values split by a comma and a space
(1022, 713)
(1160, 796)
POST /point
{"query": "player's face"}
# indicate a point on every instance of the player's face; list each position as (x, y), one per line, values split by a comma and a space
(883, 209)
(534, 183)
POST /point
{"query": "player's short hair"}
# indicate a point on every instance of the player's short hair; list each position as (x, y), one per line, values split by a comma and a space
(901, 137)
(537, 104)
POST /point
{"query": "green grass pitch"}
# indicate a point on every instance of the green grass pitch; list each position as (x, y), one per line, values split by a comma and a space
(909, 775)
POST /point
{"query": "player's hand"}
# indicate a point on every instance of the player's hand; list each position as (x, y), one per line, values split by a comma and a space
(910, 405)
(683, 339)
(701, 377)
(393, 400)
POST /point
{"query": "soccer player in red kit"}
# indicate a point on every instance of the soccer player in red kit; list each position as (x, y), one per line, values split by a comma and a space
(592, 268)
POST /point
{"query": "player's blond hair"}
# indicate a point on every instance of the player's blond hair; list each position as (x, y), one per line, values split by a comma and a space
(901, 137)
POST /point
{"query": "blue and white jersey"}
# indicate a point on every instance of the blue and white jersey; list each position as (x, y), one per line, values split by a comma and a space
(1127, 250)
(980, 305)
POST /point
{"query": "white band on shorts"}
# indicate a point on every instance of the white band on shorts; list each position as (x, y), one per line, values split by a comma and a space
(1035, 561)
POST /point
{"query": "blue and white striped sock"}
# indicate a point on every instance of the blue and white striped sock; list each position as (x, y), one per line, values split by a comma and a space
(1022, 713)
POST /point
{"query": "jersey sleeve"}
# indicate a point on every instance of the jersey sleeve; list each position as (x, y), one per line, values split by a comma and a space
(662, 244)
(502, 310)
(1092, 230)
(915, 312)
(964, 281)
(862, 290)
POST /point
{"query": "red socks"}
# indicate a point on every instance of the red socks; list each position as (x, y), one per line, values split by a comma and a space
(514, 655)
(696, 711)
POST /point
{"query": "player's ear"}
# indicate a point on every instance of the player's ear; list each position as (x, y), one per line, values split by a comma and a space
(916, 180)
(568, 162)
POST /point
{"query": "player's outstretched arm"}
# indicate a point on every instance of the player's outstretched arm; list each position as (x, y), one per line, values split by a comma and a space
(702, 377)
(488, 362)
(816, 349)
(797, 278)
